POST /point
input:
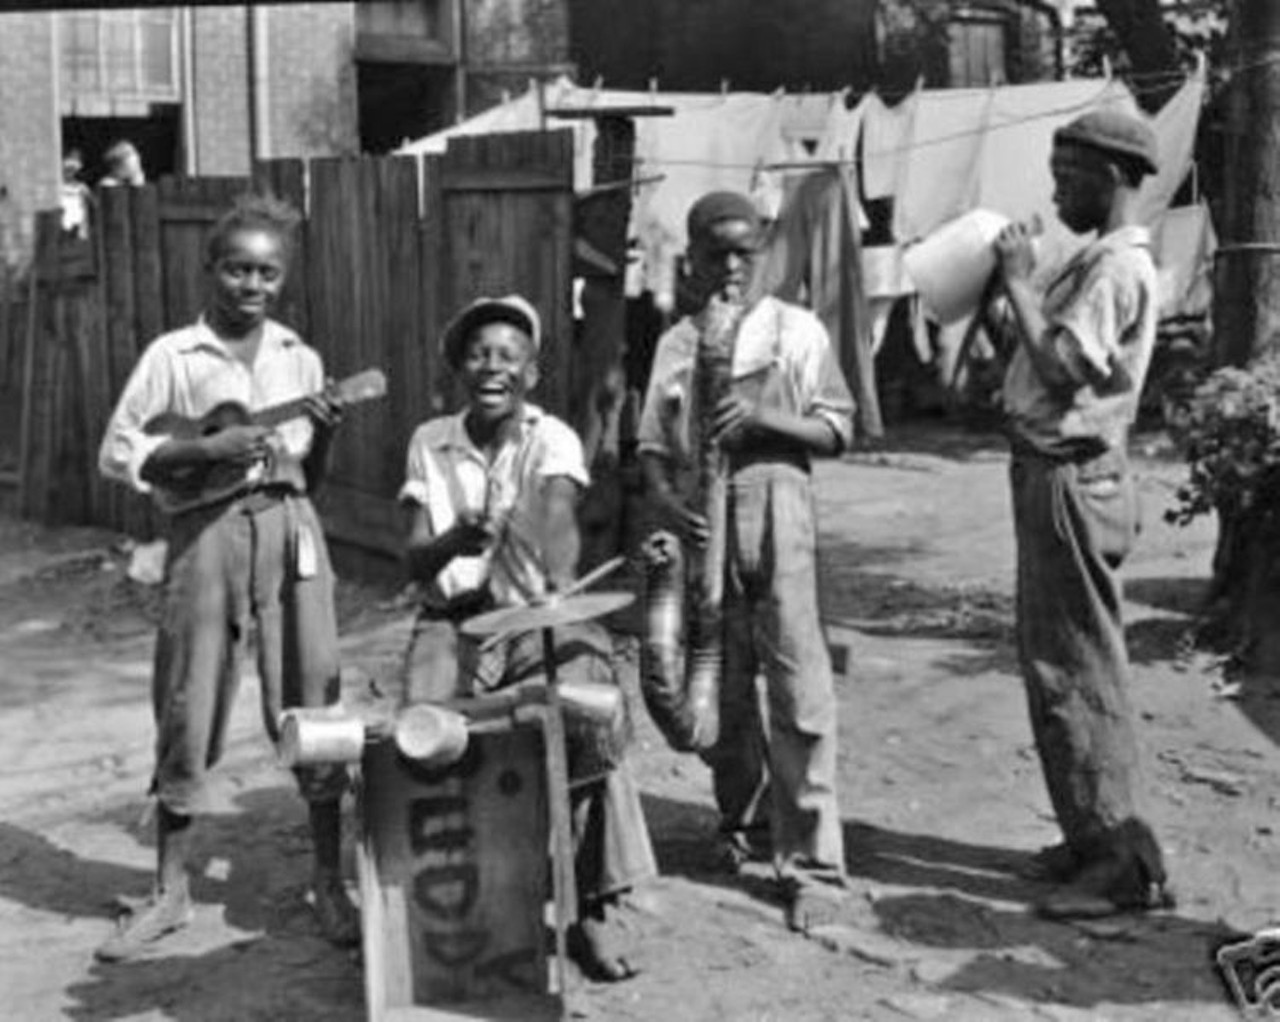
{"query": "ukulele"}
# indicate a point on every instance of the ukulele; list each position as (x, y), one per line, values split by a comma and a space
(205, 484)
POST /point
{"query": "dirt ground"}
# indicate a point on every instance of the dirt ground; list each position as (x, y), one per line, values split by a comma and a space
(940, 787)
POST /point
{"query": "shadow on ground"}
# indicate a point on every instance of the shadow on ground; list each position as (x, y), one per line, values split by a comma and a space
(861, 591)
(254, 951)
(968, 907)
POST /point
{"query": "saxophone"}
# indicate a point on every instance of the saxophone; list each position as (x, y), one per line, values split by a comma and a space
(682, 645)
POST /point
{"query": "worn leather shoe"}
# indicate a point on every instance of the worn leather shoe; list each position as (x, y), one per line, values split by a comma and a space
(161, 914)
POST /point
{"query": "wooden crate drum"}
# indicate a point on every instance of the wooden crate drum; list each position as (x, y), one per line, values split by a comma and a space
(454, 880)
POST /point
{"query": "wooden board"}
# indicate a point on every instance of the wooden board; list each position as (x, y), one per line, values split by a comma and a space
(454, 882)
(509, 239)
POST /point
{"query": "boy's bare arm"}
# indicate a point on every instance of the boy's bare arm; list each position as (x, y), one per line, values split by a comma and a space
(672, 513)
(561, 541)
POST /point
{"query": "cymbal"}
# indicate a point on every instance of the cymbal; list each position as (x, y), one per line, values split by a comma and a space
(557, 611)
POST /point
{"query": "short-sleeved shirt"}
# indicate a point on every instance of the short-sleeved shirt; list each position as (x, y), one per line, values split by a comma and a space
(781, 355)
(447, 474)
(190, 372)
(1101, 313)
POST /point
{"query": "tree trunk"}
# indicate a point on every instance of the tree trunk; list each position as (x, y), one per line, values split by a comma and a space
(1247, 304)
(1150, 44)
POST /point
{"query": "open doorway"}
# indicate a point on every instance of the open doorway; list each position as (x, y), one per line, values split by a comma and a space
(157, 137)
(402, 102)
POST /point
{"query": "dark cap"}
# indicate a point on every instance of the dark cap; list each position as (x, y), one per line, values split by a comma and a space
(512, 309)
(1116, 134)
(717, 206)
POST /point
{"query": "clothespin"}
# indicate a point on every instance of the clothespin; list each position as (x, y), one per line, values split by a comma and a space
(653, 90)
(724, 86)
(1202, 63)
(506, 96)
(1106, 67)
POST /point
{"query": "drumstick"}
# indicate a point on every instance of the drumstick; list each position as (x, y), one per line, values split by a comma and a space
(593, 576)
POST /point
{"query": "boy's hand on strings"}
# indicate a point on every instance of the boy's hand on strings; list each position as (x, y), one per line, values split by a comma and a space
(238, 445)
(325, 408)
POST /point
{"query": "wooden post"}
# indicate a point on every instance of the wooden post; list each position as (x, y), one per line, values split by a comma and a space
(1247, 275)
(601, 226)
(1247, 300)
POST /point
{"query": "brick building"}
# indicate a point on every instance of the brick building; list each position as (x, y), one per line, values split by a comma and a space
(204, 90)
(199, 90)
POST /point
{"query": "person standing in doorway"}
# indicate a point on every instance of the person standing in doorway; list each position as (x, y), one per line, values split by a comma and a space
(255, 557)
(124, 166)
(1071, 393)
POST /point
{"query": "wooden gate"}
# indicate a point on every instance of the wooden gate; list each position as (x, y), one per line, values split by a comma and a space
(389, 248)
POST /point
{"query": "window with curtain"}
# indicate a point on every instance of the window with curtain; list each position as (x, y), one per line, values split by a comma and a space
(123, 53)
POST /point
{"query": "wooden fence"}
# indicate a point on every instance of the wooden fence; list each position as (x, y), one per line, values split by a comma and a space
(389, 248)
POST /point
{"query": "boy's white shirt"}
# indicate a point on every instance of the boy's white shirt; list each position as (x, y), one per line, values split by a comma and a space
(191, 371)
(775, 336)
(447, 474)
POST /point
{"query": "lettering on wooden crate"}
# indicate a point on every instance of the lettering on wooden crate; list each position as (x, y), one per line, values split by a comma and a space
(446, 883)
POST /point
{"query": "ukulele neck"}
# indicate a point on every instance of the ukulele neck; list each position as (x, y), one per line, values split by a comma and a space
(276, 414)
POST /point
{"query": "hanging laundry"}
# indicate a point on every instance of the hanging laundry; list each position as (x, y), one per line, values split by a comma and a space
(838, 139)
(1183, 244)
(813, 257)
(696, 151)
(1176, 125)
(941, 159)
(886, 133)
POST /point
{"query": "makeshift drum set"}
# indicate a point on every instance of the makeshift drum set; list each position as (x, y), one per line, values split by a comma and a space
(459, 803)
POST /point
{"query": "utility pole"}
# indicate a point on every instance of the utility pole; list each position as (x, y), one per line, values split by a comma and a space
(1247, 275)
(1246, 317)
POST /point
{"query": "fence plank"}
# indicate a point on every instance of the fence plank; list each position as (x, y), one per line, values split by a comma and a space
(120, 311)
(148, 298)
(287, 180)
(182, 239)
(34, 498)
(433, 244)
(521, 241)
(403, 341)
(333, 289)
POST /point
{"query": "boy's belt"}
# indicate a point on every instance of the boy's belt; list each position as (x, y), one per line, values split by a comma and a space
(771, 451)
(266, 496)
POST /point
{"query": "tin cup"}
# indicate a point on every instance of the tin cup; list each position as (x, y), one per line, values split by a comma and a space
(431, 735)
(309, 736)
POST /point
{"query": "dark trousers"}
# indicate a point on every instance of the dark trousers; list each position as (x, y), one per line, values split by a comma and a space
(781, 761)
(231, 568)
(1076, 523)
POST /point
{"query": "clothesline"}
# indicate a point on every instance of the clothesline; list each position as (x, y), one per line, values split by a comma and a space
(855, 160)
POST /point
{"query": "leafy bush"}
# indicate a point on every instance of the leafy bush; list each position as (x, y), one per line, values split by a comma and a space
(1229, 432)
